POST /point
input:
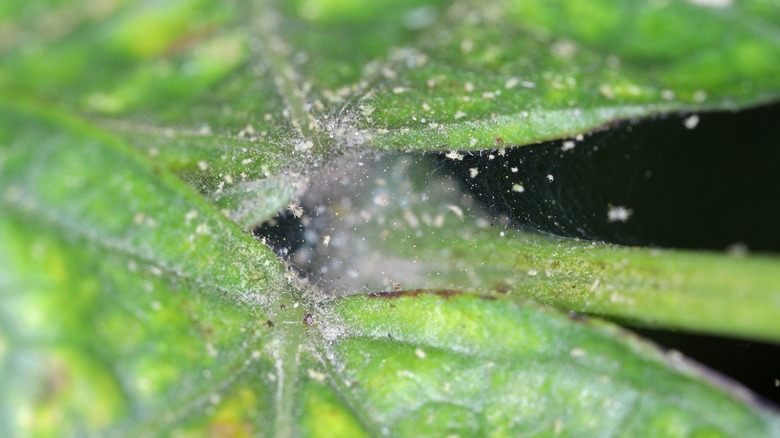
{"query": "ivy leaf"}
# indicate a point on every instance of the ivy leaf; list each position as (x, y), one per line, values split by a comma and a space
(138, 140)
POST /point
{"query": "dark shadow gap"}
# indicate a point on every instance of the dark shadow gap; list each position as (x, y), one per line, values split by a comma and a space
(284, 234)
(707, 181)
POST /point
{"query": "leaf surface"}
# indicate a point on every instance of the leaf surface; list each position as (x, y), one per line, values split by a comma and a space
(135, 304)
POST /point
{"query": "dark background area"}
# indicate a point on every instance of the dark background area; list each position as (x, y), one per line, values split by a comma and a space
(710, 187)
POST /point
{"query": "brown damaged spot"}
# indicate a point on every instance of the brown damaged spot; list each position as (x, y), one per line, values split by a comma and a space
(577, 317)
(501, 288)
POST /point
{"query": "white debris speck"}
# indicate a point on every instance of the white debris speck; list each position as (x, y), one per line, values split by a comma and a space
(473, 142)
(459, 115)
(514, 169)
(228, 179)
(564, 49)
(192, 214)
(619, 213)
(296, 210)
(550, 177)
(511, 83)
(691, 122)
(420, 353)
(454, 155)
(568, 145)
(528, 84)
(738, 249)
(533, 272)
(607, 91)
(411, 219)
(326, 240)
(558, 427)
(488, 95)
(202, 165)
(455, 209)
(474, 172)
(712, 3)
(382, 200)
(613, 61)
(466, 45)
(577, 352)
(246, 161)
(700, 96)
(399, 90)
(518, 188)
(202, 229)
(667, 95)
(426, 107)
(316, 375)
(469, 87)
(210, 350)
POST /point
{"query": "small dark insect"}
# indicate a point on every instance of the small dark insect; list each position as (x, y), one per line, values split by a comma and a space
(269, 323)
(308, 319)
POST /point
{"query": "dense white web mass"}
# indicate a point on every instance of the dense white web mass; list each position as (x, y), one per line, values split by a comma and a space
(651, 183)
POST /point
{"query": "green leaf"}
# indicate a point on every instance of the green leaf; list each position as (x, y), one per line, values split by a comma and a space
(514, 72)
(445, 243)
(138, 140)
(477, 366)
(120, 286)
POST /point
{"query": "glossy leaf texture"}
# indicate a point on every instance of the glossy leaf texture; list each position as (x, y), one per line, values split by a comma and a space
(139, 140)
(518, 72)
(127, 300)
(477, 366)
